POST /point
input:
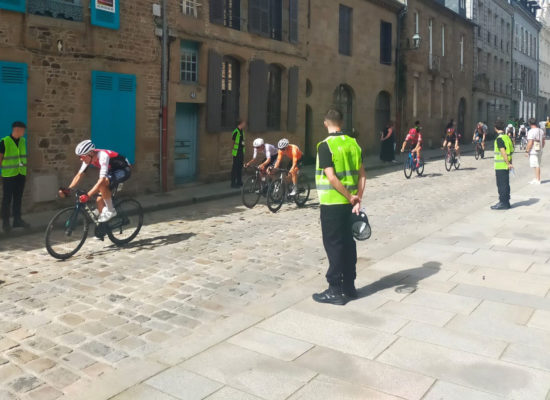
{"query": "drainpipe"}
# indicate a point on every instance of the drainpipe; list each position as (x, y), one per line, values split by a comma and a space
(398, 91)
(164, 102)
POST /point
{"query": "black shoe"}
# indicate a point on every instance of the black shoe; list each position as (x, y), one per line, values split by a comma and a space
(501, 206)
(350, 291)
(333, 295)
(21, 224)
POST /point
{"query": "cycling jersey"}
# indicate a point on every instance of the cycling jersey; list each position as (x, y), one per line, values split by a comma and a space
(522, 132)
(268, 149)
(414, 137)
(106, 160)
(292, 152)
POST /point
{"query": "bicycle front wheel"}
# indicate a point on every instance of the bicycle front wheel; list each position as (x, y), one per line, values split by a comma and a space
(302, 191)
(477, 152)
(125, 226)
(251, 191)
(456, 161)
(420, 169)
(448, 161)
(66, 233)
(275, 195)
(407, 167)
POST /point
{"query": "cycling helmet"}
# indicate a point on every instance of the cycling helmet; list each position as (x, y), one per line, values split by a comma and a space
(510, 126)
(360, 226)
(283, 143)
(84, 148)
(258, 142)
(522, 126)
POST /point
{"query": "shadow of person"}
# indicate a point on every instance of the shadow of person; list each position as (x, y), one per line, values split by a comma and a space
(545, 181)
(148, 243)
(405, 281)
(525, 203)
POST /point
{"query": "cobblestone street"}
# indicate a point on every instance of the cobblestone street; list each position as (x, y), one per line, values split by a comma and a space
(85, 327)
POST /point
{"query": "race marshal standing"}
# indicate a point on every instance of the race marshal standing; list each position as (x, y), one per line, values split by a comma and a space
(340, 180)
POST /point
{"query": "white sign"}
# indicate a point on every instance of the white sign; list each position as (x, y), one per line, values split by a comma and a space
(105, 5)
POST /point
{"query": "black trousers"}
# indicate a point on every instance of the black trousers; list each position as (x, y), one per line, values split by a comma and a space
(12, 193)
(339, 244)
(503, 185)
(237, 170)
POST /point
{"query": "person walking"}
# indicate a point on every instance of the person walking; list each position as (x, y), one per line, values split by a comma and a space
(13, 160)
(340, 180)
(238, 154)
(535, 144)
(504, 148)
(387, 143)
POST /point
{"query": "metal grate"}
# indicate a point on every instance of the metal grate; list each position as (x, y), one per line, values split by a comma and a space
(104, 82)
(14, 75)
(125, 84)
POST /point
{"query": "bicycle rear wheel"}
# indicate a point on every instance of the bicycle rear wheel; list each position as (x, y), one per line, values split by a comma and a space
(448, 160)
(302, 191)
(420, 169)
(407, 167)
(275, 195)
(251, 191)
(125, 226)
(66, 233)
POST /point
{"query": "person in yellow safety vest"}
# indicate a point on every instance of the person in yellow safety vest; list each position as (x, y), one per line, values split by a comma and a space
(13, 161)
(340, 180)
(504, 149)
(238, 154)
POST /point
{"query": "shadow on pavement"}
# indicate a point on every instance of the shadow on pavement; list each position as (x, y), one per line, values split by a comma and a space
(146, 244)
(545, 181)
(525, 203)
(404, 281)
(467, 169)
(434, 175)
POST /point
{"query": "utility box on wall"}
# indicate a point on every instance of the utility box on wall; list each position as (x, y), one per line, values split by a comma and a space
(44, 188)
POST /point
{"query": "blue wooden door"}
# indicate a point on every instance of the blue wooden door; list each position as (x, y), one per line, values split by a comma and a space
(13, 95)
(185, 152)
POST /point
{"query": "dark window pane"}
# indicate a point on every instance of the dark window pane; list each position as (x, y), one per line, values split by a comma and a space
(293, 21)
(385, 43)
(274, 98)
(344, 30)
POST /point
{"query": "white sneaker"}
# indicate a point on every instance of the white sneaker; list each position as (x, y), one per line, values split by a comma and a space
(534, 182)
(293, 192)
(106, 215)
(96, 212)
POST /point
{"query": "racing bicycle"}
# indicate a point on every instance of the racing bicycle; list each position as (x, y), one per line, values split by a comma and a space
(478, 152)
(410, 165)
(254, 187)
(278, 190)
(451, 159)
(67, 230)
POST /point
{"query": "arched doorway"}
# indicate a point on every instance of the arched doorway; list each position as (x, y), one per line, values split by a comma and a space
(382, 112)
(343, 99)
(461, 116)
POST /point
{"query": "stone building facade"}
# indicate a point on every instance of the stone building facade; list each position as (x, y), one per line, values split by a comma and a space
(543, 17)
(64, 56)
(492, 60)
(525, 62)
(438, 74)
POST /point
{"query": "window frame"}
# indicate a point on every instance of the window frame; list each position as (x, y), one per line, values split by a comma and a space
(186, 51)
(231, 99)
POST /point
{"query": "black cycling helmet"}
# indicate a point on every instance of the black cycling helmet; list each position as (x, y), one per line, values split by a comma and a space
(360, 226)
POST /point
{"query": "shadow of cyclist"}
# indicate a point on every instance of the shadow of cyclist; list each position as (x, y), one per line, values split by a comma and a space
(149, 243)
(405, 281)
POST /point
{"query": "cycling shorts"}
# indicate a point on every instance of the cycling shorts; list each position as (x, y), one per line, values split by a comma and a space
(478, 138)
(451, 140)
(272, 160)
(118, 175)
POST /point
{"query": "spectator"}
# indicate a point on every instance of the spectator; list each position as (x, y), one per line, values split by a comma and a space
(387, 143)
(238, 154)
(340, 180)
(504, 148)
(535, 144)
(13, 159)
(547, 126)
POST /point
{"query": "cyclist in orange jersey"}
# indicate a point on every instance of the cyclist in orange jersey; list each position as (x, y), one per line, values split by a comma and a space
(293, 153)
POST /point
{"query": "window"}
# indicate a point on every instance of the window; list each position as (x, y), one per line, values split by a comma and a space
(190, 7)
(226, 13)
(188, 61)
(63, 9)
(462, 52)
(293, 21)
(385, 43)
(343, 99)
(274, 98)
(443, 40)
(265, 18)
(344, 30)
(230, 91)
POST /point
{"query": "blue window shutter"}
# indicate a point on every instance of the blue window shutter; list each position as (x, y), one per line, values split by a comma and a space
(104, 18)
(13, 5)
(114, 112)
(13, 95)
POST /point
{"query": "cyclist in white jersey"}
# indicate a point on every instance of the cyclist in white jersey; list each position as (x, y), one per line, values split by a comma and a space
(268, 150)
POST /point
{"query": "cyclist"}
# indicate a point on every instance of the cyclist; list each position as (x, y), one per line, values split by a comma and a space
(511, 132)
(522, 132)
(480, 134)
(268, 150)
(293, 153)
(414, 140)
(451, 138)
(113, 169)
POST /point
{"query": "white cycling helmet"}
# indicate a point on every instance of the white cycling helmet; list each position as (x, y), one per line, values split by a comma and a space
(283, 143)
(522, 126)
(258, 142)
(84, 148)
(510, 126)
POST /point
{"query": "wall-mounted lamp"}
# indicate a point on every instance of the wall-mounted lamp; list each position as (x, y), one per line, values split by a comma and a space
(416, 39)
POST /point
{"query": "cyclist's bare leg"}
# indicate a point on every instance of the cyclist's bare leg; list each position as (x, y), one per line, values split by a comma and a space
(99, 203)
(106, 195)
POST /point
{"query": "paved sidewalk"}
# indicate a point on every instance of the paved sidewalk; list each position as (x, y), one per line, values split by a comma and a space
(196, 193)
(460, 312)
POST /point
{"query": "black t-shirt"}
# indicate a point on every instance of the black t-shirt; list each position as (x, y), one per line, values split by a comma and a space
(325, 156)
(500, 144)
(240, 149)
(3, 146)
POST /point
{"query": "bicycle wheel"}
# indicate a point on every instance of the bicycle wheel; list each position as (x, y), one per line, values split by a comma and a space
(275, 195)
(251, 191)
(126, 224)
(66, 233)
(477, 152)
(448, 161)
(420, 169)
(456, 161)
(302, 191)
(407, 167)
